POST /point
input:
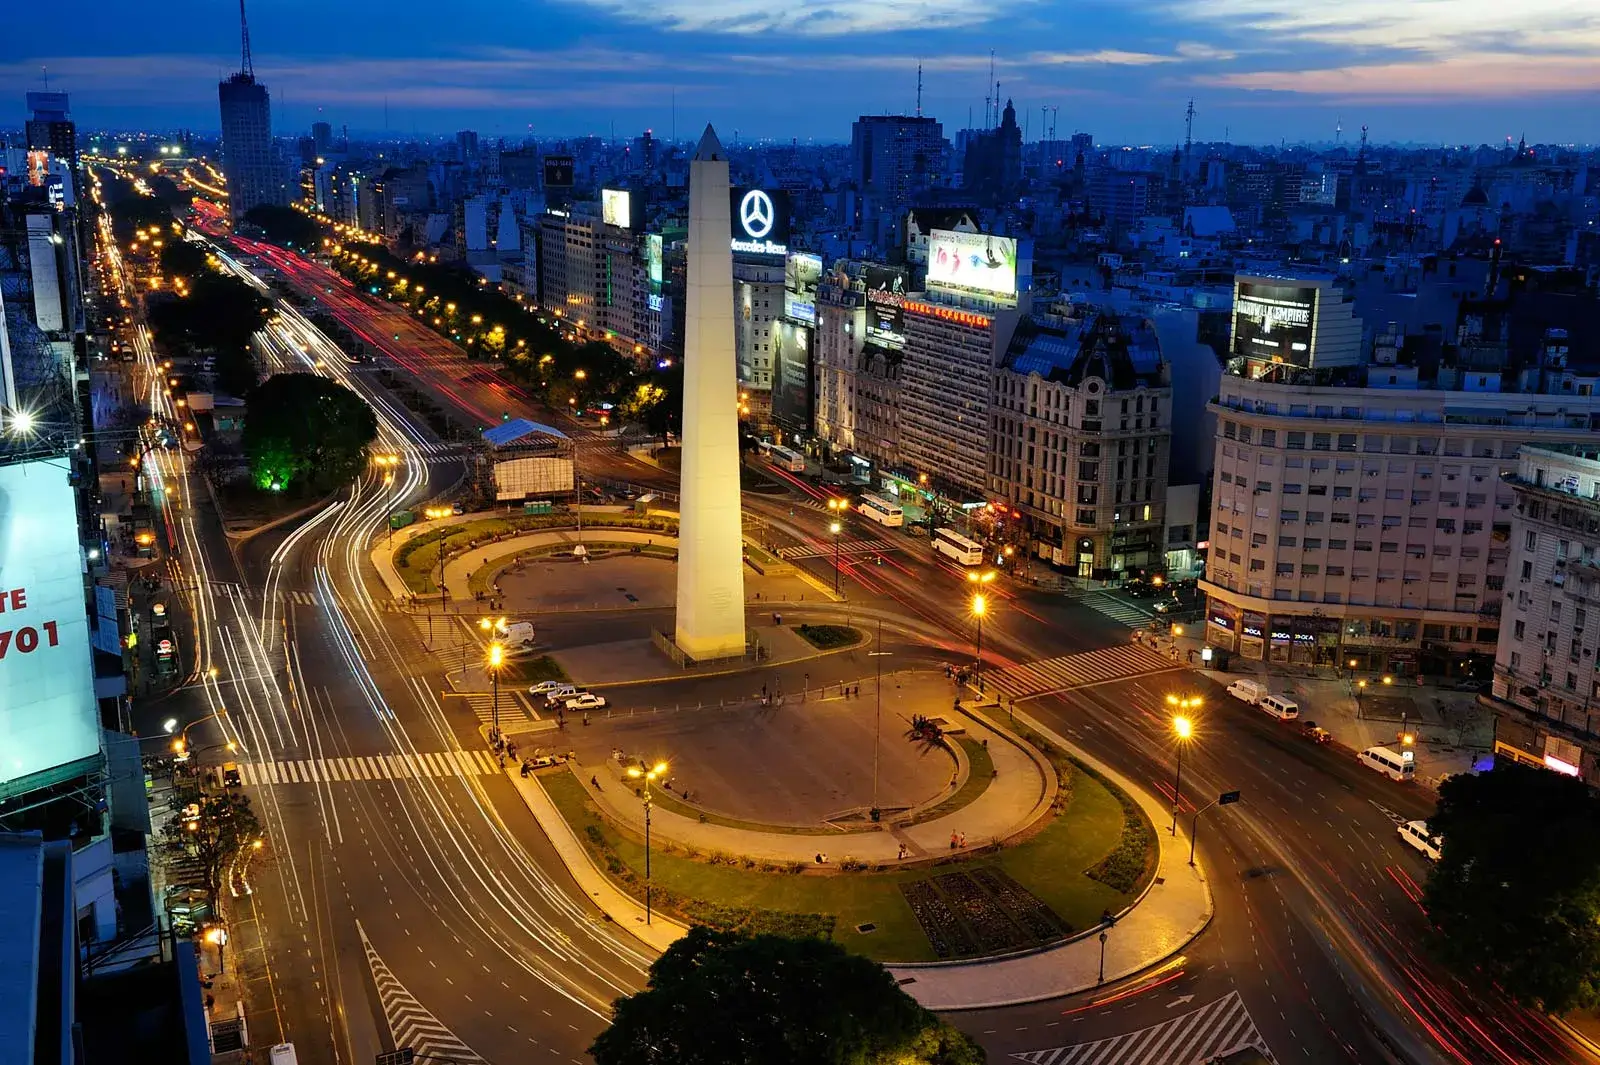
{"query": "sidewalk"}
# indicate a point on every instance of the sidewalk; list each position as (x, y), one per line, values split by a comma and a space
(616, 904)
(1019, 793)
(1174, 909)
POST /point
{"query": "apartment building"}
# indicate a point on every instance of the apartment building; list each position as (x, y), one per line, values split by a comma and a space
(1547, 669)
(1369, 526)
(1080, 440)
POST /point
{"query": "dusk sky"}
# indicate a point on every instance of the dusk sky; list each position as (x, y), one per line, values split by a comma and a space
(1259, 70)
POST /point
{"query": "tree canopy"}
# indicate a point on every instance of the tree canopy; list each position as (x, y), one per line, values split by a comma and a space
(284, 225)
(725, 998)
(222, 827)
(180, 258)
(1515, 895)
(303, 432)
(218, 315)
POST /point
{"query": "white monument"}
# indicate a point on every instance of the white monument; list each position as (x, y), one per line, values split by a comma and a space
(710, 620)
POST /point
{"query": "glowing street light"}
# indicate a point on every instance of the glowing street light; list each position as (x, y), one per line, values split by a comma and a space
(649, 776)
(1183, 729)
(980, 609)
(496, 659)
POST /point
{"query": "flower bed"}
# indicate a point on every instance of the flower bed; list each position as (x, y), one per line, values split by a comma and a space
(995, 931)
(945, 932)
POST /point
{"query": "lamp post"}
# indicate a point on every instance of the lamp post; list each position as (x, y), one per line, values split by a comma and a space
(497, 658)
(1183, 728)
(839, 507)
(877, 718)
(980, 607)
(1361, 687)
(1103, 937)
(648, 776)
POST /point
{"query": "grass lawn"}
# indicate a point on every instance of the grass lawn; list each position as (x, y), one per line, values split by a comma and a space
(828, 637)
(528, 670)
(668, 800)
(1050, 865)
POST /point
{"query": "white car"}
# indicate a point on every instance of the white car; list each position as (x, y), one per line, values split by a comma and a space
(1416, 834)
(544, 687)
(585, 701)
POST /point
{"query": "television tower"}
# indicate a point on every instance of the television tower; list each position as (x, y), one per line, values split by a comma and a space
(919, 90)
(1188, 130)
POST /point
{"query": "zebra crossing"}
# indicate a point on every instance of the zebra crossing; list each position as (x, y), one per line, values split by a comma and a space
(513, 707)
(1217, 1028)
(852, 548)
(411, 1024)
(1075, 671)
(369, 767)
(1116, 609)
(245, 592)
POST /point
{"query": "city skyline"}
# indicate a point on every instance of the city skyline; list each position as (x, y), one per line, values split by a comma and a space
(1260, 71)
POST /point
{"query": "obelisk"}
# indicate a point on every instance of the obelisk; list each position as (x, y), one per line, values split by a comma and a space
(710, 542)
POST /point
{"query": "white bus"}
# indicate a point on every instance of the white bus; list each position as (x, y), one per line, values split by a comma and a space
(783, 458)
(949, 542)
(880, 510)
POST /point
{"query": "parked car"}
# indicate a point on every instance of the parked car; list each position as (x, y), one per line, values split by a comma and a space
(545, 687)
(585, 701)
(1167, 606)
(559, 694)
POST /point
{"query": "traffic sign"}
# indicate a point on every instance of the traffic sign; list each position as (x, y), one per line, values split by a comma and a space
(1227, 798)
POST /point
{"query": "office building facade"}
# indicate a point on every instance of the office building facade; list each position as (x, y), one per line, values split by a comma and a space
(248, 160)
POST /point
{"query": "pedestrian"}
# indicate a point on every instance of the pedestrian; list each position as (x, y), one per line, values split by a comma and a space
(963, 841)
(819, 857)
(953, 841)
(902, 854)
(595, 781)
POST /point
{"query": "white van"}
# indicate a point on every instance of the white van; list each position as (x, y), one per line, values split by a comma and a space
(518, 634)
(1279, 706)
(283, 1054)
(1250, 691)
(1388, 762)
(1416, 834)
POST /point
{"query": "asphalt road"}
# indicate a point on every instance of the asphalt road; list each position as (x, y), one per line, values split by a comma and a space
(1318, 935)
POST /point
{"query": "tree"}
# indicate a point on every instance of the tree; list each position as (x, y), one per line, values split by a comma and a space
(302, 431)
(1515, 896)
(725, 998)
(219, 315)
(284, 225)
(220, 827)
(180, 258)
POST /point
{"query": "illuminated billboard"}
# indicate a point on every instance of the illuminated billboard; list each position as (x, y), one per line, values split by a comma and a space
(972, 262)
(48, 716)
(1274, 322)
(652, 259)
(791, 375)
(801, 274)
(760, 221)
(558, 171)
(615, 208)
(886, 295)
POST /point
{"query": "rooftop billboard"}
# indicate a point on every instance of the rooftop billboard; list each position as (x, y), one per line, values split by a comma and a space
(1274, 322)
(972, 262)
(616, 208)
(760, 221)
(48, 716)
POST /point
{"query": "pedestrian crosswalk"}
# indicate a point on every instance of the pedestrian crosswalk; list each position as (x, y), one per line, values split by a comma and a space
(369, 767)
(853, 548)
(411, 1024)
(1115, 608)
(1075, 671)
(513, 707)
(1202, 1035)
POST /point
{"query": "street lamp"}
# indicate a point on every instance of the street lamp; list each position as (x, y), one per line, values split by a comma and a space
(980, 607)
(497, 658)
(1183, 728)
(648, 776)
(837, 506)
(1361, 688)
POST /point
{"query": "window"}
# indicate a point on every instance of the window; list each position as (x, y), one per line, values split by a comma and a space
(1288, 517)
(1297, 441)
(1258, 539)
(1309, 571)
(1287, 541)
(1313, 517)
(1446, 525)
(1257, 564)
(1313, 543)
(1338, 545)
(1532, 543)
(1518, 628)
(1317, 490)
(1269, 438)
(1394, 493)
(1291, 489)
(1363, 545)
(1285, 569)
(1088, 471)
(1341, 518)
(1336, 571)
(1341, 492)
(1347, 441)
(1263, 486)
(1527, 569)
(1320, 441)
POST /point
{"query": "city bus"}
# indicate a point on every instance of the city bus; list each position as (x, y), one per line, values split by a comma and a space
(949, 542)
(784, 458)
(880, 510)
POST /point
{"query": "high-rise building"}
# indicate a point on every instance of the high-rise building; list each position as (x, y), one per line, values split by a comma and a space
(757, 307)
(892, 159)
(248, 161)
(322, 137)
(467, 145)
(1081, 433)
(49, 129)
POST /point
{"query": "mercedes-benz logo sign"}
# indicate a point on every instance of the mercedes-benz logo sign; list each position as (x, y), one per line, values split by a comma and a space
(755, 214)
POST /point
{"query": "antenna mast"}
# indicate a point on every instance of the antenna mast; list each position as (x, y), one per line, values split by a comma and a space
(1188, 129)
(246, 66)
(919, 90)
(986, 122)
